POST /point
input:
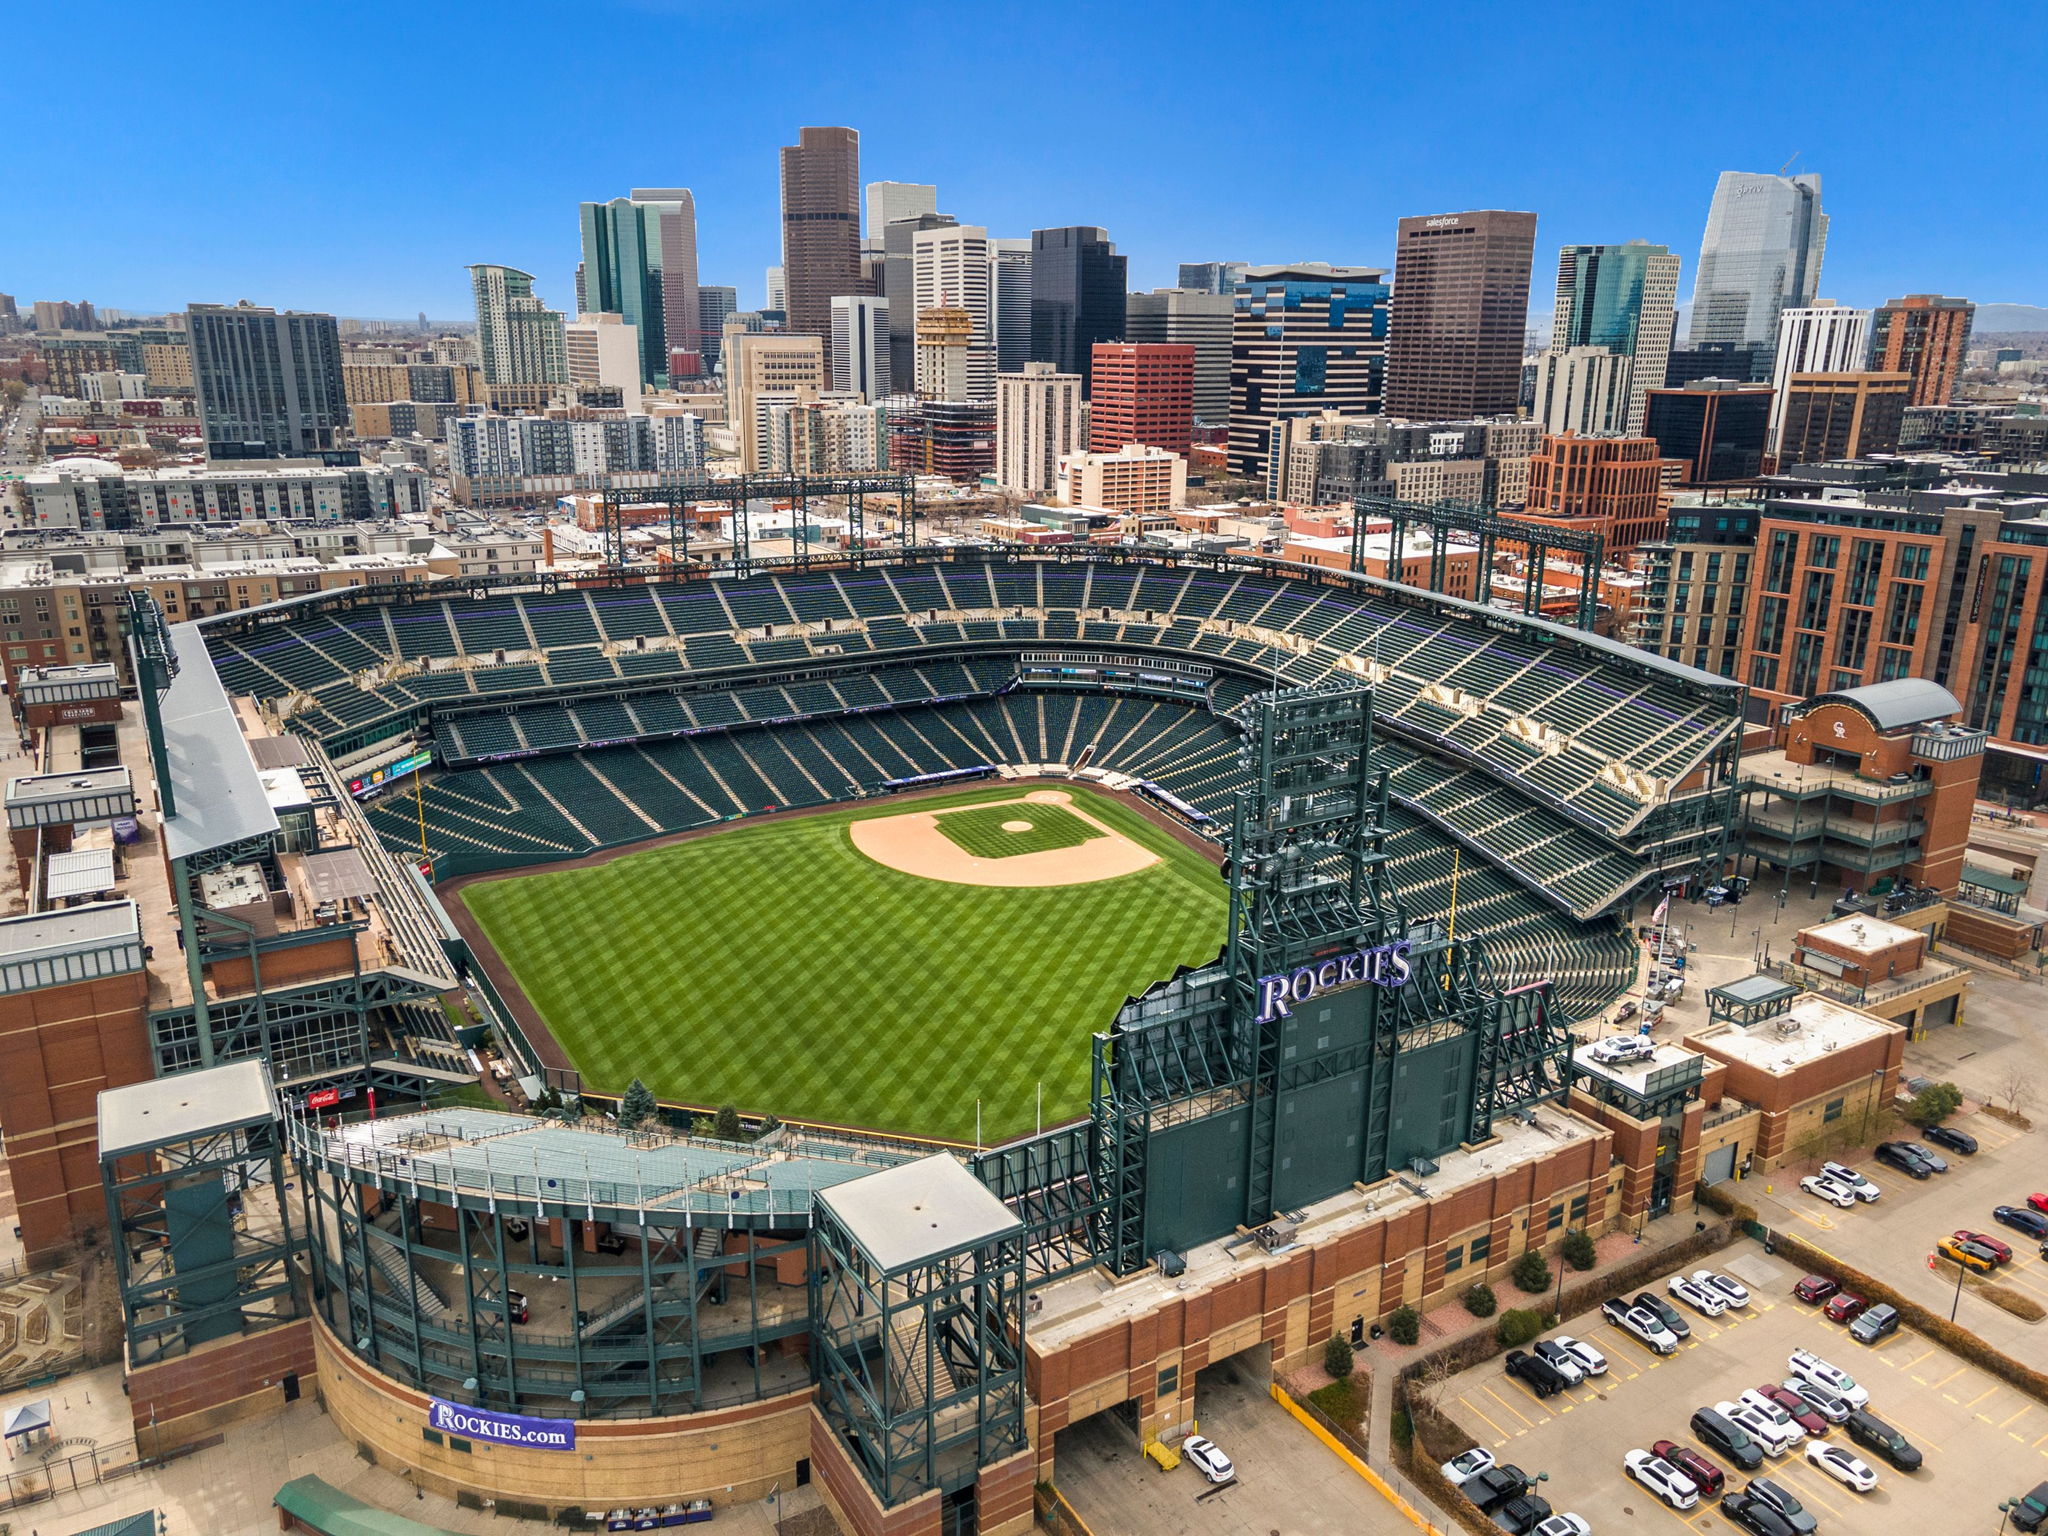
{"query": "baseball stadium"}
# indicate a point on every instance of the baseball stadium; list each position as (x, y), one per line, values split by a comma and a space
(1045, 916)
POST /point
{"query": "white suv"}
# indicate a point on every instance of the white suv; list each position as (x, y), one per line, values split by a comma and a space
(1616, 1049)
(1772, 1429)
(1662, 1479)
(1808, 1366)
(1851, 1180)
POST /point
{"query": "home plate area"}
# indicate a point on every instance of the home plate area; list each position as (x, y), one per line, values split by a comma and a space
(1043, 837)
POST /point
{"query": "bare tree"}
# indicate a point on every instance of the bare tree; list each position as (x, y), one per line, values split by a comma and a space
(2016, 1089)
(1426, 1386)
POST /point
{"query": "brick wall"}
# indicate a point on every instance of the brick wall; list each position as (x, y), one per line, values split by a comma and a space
(179, 1401)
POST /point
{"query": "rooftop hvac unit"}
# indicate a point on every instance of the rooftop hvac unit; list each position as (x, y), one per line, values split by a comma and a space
(1171, 1264)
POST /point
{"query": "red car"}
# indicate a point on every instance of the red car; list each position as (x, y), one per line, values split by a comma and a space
(1815, 1288)
(1843, 1307)
(1692, 1464)
(1999, 1250)
(2038, 1201)
(1796, 1406)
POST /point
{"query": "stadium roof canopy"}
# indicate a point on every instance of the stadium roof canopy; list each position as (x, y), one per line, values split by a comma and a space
(218, 794)
(1901, 702)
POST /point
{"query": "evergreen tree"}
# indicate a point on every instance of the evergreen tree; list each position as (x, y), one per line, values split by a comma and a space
(637, 1105)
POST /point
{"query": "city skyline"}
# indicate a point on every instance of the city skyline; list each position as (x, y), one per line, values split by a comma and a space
(440, 210)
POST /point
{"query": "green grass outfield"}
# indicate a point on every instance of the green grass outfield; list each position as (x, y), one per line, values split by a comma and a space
(774, 967)
(979, 829)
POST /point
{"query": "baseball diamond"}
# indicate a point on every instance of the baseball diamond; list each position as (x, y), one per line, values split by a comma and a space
(690, 966)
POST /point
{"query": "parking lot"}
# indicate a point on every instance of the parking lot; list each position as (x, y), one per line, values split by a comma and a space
(1892, 1237)
(1982, 1440)
(1288, 1482)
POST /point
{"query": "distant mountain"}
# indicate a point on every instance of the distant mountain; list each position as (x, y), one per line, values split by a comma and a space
(2010, 317)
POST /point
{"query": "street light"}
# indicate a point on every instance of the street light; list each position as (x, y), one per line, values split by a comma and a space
(2004, 1513)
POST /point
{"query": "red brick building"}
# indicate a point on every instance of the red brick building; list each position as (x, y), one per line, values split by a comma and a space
(1612, 485)
(1926, 335)
(1144, 393)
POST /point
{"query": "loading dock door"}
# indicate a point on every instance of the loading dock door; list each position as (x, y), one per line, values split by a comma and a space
(1720, 1164)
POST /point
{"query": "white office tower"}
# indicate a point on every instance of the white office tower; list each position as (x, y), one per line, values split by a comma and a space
(889, 201)
(860, 345)
(778, 291)
(950, 270)
(1038, 422)
(1823, 338)
(1584, 390)
(604, 349)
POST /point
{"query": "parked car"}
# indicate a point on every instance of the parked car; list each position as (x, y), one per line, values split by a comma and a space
(1878, 1322)
(1752, 1514)
(1935, 1162)
(1521, 1515)
(1953, 1139)
(1706, 1477)
(1466, 1465)
(1566, 1524)
(1560, 1360)
(1772, 1409)
(1810, 1367)
(1722, 1435)
(1775, 1436)
(1906, 1157)
(1825, 1401)
(2033, 1223)
(1804, 1414)
(1850, 1179)
(2030, 1510)
(1869, 1430)
(1785, 1502)
(1816, 1288)
(1616, 1049)
(2038, 1201)
(1662, 1479)
(1988, 1243)
(1537, 1373)
(1961, 1251)
(1703, 1301)
(1844, 1466)
(1208, 1458)
(1734, 1292)
(1842, 1306)
(1664, 1312)
(1640, 1322)
(1590, 1361)
(1496, 1485)
(1821, 1187)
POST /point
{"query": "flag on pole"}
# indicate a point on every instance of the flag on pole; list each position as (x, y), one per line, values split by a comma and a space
(1663, 908)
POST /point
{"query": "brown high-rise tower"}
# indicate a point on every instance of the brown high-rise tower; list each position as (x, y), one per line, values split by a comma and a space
(1461, 304)
(820, 225)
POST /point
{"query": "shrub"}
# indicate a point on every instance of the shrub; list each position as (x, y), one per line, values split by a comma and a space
(1480, 1301)
(636, 1105)
(1531, 1272)
(1404, 1325)
(1337, 1358)
(2025, 1308)
(770, 1123)
(1403, 1429)
(1518, 1325)
(726, 1124)
(1934, 1104)
(1578, 1249)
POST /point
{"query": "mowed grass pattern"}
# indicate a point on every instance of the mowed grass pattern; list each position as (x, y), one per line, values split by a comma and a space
(979, 829)
(777, 968)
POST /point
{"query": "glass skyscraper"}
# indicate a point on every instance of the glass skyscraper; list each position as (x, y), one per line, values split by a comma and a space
(640, 263)
(1619, 299)
(1762, 253)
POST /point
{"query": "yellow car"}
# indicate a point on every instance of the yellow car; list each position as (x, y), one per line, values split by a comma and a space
(1969, 1255)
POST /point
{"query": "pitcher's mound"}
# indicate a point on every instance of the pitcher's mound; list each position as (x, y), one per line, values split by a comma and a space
(916, 844)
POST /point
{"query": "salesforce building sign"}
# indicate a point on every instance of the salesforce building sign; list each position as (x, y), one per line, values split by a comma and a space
(502, 1428)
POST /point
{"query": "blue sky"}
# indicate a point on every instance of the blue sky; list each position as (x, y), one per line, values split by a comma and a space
(355, 158)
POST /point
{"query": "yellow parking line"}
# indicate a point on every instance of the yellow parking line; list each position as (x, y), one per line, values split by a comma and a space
(1951, 1376)
(1973, 1402)
(1504, 1435)
(1807, 1475)
(2017, 1417)
(1511, 1408)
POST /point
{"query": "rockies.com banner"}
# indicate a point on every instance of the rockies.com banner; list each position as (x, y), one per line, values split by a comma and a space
(502, 1428)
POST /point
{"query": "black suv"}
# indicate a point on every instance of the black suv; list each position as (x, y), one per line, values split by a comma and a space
(1495, 1486)
(1954, 1140)
(2030, 1510)
(1755, 1516)
(1719, 1433)
(1905, 1157)
(1663, 1311)
(1873, 1433)
(1782, 1499)
(1543, 1378)
(1521, 1516)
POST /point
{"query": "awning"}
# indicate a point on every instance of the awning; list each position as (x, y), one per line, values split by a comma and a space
(27, 1419)
(320, 1506)
(341, 873)
(80, 872)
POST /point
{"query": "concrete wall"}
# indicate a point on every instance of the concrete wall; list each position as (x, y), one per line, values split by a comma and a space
(177, 1402)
